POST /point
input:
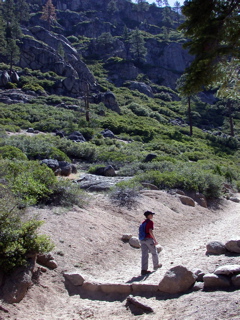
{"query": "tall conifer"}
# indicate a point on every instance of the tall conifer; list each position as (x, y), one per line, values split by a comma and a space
(212, 28)
(49, 13)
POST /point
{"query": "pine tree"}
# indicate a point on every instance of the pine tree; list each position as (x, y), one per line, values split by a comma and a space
(22, 10)
(186, 98)
(228, 87)
(212, 28)
(167, 17)
(177, 8)
(13, 52)
(3, 43)
(60, 49)
(112, 7)
(12, 31)
(49, 13)
(137, 45)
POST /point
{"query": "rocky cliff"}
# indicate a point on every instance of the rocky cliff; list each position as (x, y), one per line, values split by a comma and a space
(87, 30)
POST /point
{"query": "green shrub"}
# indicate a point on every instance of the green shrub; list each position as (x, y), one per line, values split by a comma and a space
(157, 116)
(11, 128)
(196, 155)
(33, 87)
(165, 96)
(83, 151)
(18, 238)
(93, 169)
(138, 109)
(238, 185)
(72, 39)
(125, 194)
(228, 142)
(187, 178)
(38, 147)
(87, 133)
(66, 193)
(134, 168)
(28, 180)
(9, 152)
(11, 85)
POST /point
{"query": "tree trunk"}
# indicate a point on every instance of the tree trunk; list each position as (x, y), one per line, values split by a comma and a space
(230, 111)
(190, 116)
(87, 103)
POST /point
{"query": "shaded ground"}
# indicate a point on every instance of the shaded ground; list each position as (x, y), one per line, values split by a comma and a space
(89, 240)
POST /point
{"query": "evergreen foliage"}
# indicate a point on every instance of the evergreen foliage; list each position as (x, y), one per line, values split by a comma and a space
(18, 238)
(212, 28)
(49, 13)
(137, 45)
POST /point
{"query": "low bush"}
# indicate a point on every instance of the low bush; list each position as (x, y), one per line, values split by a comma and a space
(38, 147)
(65, 193)
(165, 96)
(84, 151)
(33, 87)
(125, 194)
(223, 141)
(28, 180)
(197, 155)
(94, 168)
(138, 109)
(186, 178)
(141, 167)
(18, 238)
(9, 152)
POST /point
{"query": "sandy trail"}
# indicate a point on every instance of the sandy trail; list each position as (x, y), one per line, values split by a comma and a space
(89, 240)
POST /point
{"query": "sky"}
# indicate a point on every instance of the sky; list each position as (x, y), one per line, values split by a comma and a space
(171, 2)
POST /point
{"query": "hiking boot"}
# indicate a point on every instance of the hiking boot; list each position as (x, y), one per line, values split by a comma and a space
(158, 266)
(144, 272)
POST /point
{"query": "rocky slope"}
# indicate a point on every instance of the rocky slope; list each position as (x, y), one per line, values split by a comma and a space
(87, 21)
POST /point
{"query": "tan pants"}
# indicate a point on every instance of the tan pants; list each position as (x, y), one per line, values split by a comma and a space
(147, 245)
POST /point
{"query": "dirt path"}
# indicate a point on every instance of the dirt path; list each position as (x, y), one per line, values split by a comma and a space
(89, 240)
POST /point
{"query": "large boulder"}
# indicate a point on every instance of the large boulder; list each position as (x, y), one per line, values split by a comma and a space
(141, 87)
(216, 248)
(187, 201)
(74, 277)
(236, 281)
(65, 168)
(40, 52)
(228, 269)
(198, 197)
(76, 136)
(134, 242)
(51, 163)
(47, 260)
(107, 171)
(17, 283)
(150, 157)
(62, 168)
(215, 281)
(233, 245)
(109, 99)
(4, 78)
(177, 280)
(107, 133)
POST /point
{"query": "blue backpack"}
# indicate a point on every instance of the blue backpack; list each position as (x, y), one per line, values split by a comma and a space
(142, 231)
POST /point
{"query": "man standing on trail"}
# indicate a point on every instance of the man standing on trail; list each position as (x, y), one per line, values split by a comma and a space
(148, 244)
